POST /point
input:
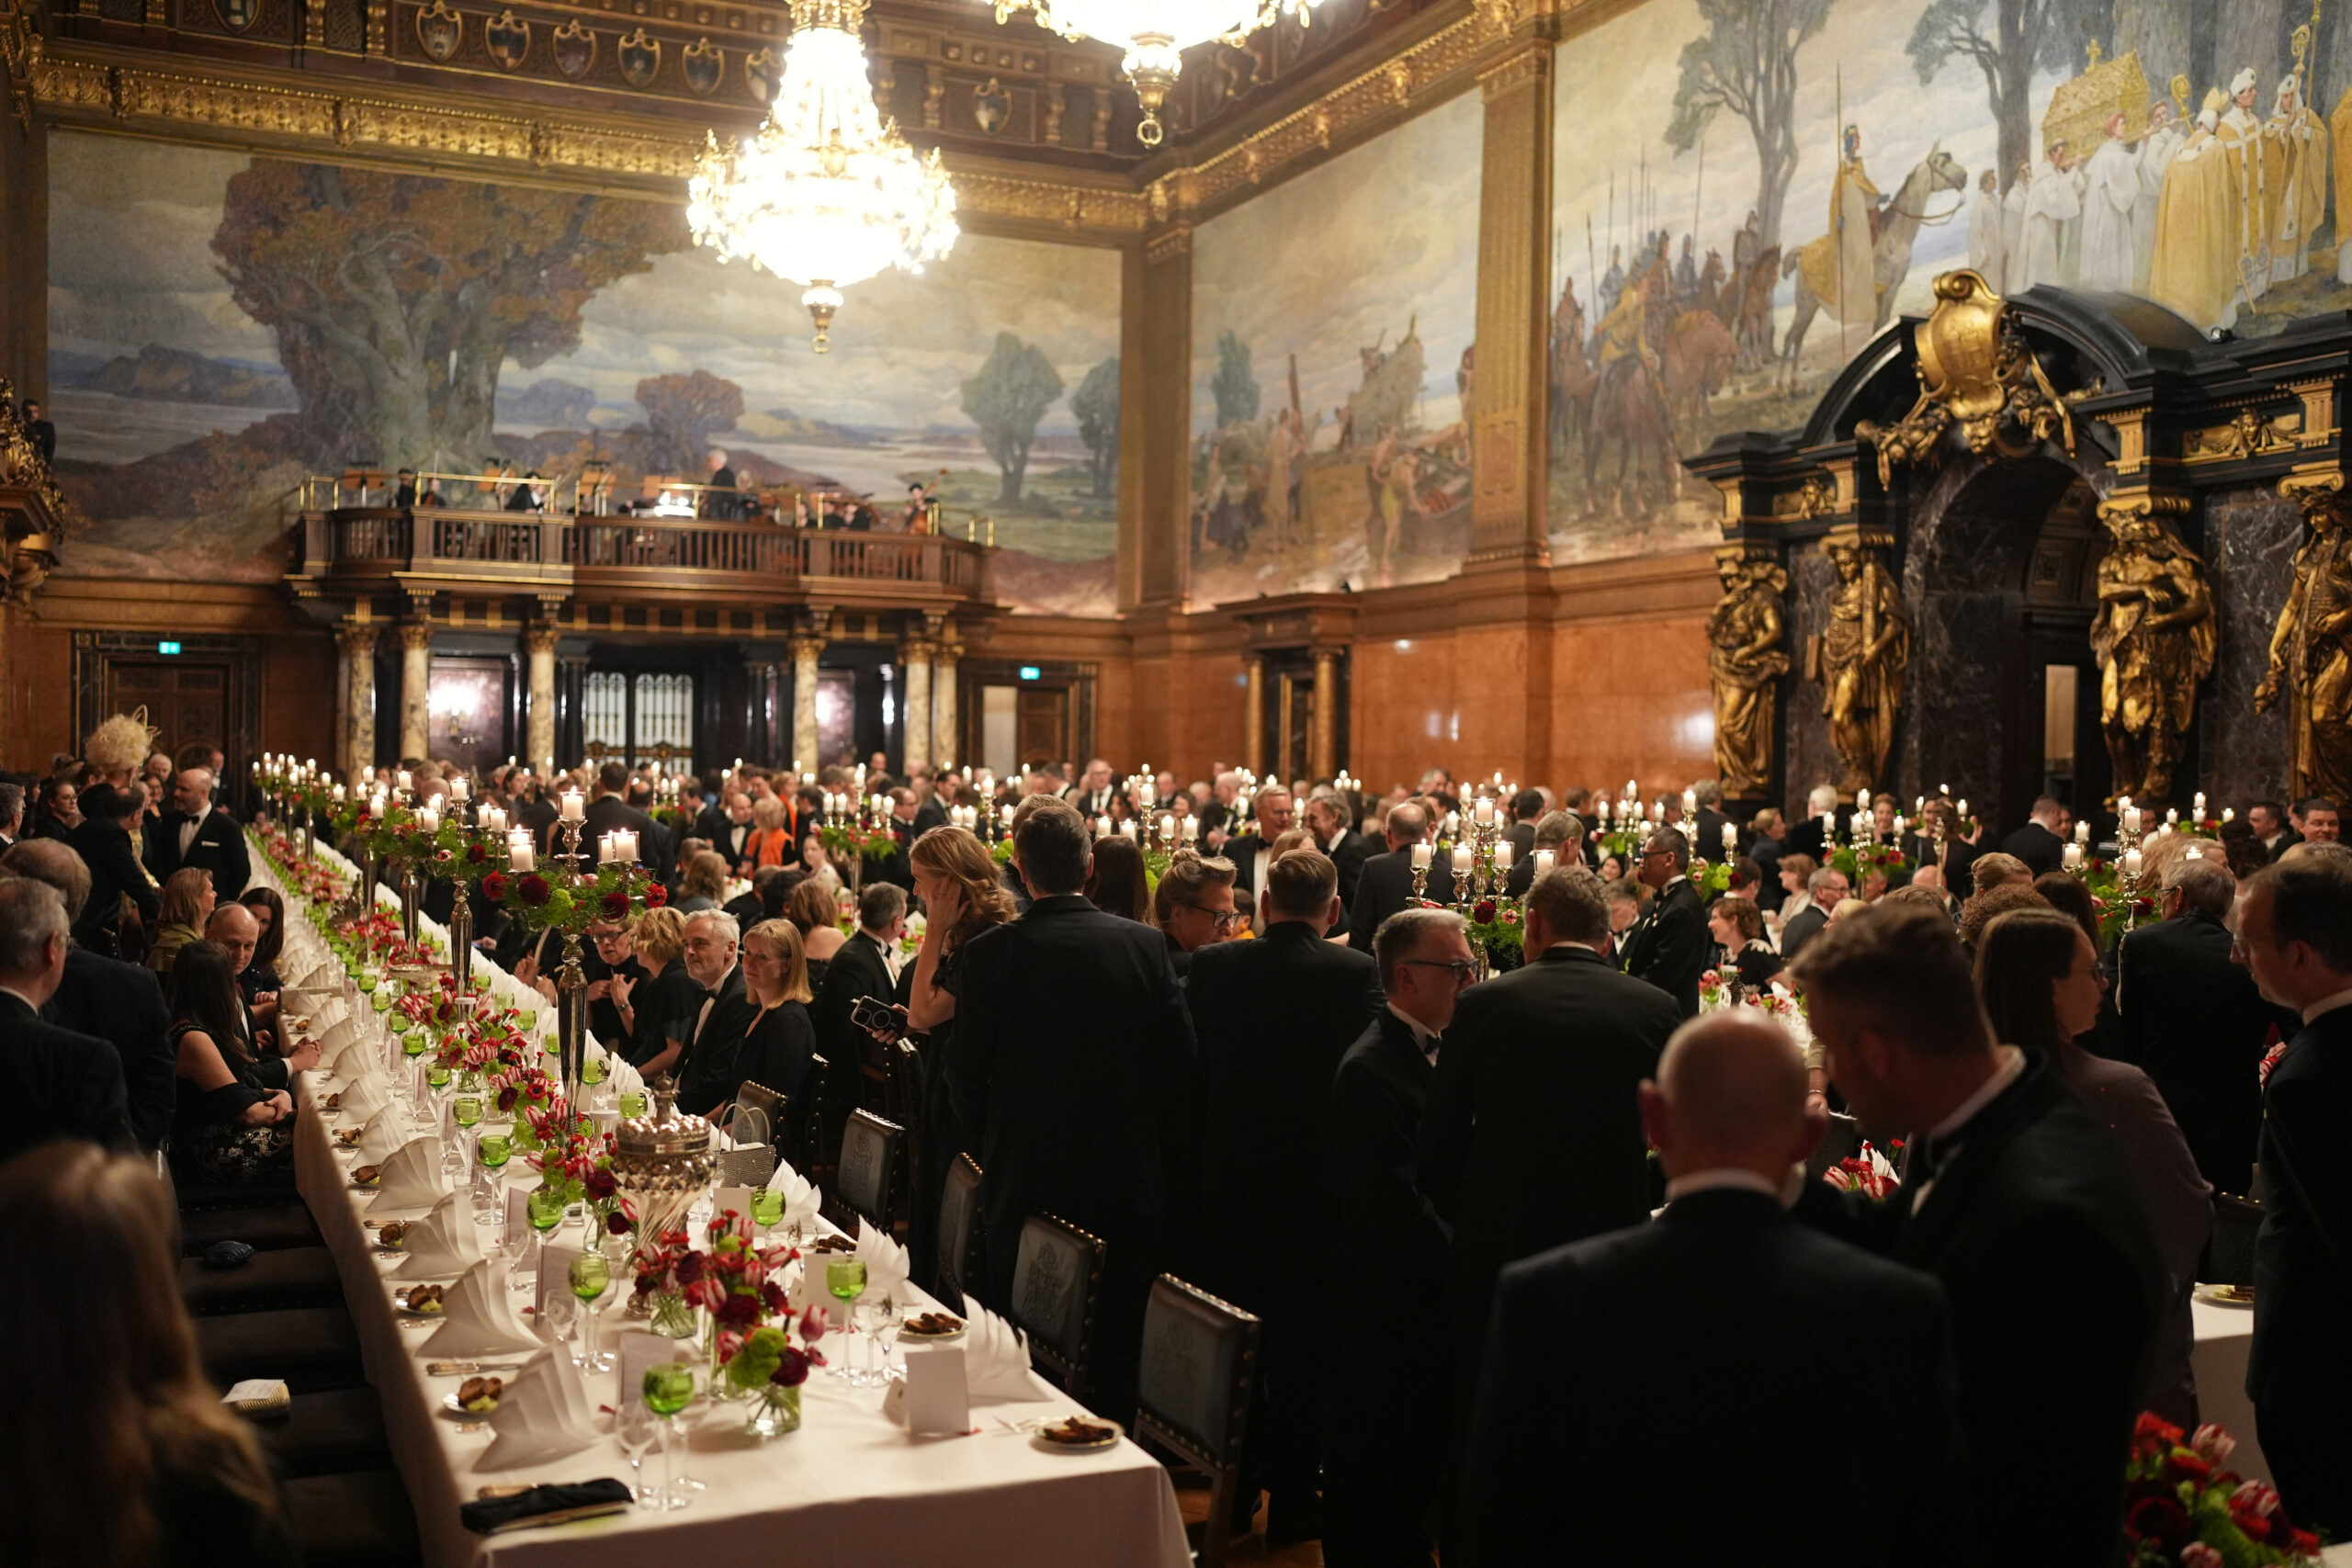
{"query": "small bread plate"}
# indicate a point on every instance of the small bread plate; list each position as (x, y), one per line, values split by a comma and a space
(1076, 1435)
(2226, 1295)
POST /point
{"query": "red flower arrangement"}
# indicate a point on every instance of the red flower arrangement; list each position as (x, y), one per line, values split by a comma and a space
(533, 889)
(656, 896)
(494, 887)
(1867, 1172)
(2182, 1509)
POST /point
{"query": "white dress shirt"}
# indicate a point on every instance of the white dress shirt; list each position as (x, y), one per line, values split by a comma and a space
(188, 828)
(1944, 1135)
(2328, 1004)
(1423, 1035)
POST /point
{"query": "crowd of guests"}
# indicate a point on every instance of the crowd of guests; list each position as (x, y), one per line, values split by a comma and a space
(1540, 1248)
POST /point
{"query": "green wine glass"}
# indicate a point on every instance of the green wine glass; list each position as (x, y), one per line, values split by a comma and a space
(592, 1071)
(527, 1020)
(545, 1206)
(416, 1043)
(367, 981)
(669, 1387)
(496, 1149)
(767, 1207)
(591, 1274)
(845, 1279)
(381, 1001)
(438, 1075)
(632, 1103)
(466, 1108)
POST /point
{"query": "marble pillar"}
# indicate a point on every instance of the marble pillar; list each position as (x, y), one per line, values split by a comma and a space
(2251, 537)
(540, 710)
(1323, 740)
(416, 696)
(804, 650)
(358, 646)
(914, 723)
(943, 736)
(1253, 739)
(1511, 394)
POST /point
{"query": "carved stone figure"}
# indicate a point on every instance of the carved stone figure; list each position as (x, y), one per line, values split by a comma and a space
(2310, 650)
(1860, 658)
(2153, 638)
(1745, 658)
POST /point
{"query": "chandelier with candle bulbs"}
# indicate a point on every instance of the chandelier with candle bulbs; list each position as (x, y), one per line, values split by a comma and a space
(827, 193)
(1156, 33)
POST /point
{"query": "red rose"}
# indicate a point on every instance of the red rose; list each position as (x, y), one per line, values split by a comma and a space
(494, 887)
(506, 1098)
(2183, 1465)
(2161, 1520)
(475, 855)
(739, 1310)
(1484, 912)
(599, 1184)
(616, 1224)
(791, 1368)
(615, 904)
(656, 896)
(777, 1299)
(690, 1267)
(533, 890)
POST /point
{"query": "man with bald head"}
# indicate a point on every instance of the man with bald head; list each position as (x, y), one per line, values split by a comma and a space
(1627, 1377)
(195, 833)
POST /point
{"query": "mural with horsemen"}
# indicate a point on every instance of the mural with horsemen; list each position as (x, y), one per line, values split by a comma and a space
(1331, 362)
(1746, 191)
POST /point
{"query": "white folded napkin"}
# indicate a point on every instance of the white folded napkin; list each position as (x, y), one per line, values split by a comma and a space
(364, 1095)
(801, 1199)
(336, 1038)
(543, 1414)
(479, 1317)
(385, 1132)
(623, 1079)
(335, 1009)
(412, 1178)
(886, 1261)
(996, 1358)
(445, 1242)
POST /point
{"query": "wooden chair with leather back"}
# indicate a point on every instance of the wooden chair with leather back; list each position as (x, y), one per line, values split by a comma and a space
(1200, 1357)
(1056, 1294)
(959, 1231)
(863, 1181)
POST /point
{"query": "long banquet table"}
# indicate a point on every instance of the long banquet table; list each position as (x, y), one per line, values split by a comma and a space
(848, 1486)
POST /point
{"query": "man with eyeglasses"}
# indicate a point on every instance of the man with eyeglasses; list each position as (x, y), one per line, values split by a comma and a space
(1378, 1455)
(1667, 947)
(1273, 1018)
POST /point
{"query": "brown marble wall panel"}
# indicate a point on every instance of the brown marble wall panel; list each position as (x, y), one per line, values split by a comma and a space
(2249, 548)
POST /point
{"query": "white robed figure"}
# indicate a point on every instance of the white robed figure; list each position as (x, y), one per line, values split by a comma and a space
(2056, 201)
(2013, 207)
(2110, 197)
(1987, 253)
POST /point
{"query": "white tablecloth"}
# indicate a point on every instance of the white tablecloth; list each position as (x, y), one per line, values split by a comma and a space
(849, 1486)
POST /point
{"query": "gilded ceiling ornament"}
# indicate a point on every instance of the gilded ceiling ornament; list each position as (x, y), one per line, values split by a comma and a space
(1744, 661)
(2154, 637)
(1975, 371)
(2311, 648)
(1861, 657)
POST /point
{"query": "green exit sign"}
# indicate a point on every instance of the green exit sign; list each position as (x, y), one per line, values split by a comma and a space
(167, 648)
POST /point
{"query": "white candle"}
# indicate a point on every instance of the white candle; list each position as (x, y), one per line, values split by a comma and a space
(428, 819)
(1690, 802)
(1963, 809)
(493, 819)
(400, 781)
(338, 793)
(2131, 863)
(2131, 821)
(1167, 824)
(1484, 812)
(460, 788)
(1602, 805)
(1861, 800)
(1101, 826)
(1191, 829)
(1127, 829)
(1545, 859)
(1505, 852)
(1453, 824)
(1633, 787)
(2200, 804)
(2082, 832)
(1461, 860)
(1005, 815)
(2072, 856)
(1420, 857)
(575, 809)
(2171, 817)
(519, 850)
(1731, 837)
(2229, 813)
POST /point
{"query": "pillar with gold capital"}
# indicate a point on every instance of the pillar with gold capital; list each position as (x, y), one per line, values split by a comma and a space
(356, 641)
(1323, 736)
(1511, 388)
(804, 650)
(944, 739)
(914, 723)
(539, 715)
(416, 698)
(1253, 739)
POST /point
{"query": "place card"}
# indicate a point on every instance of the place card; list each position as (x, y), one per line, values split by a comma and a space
(938, 1403)
(736, 1198)
(638, 1350)
(519, 1209)
(555, 1277)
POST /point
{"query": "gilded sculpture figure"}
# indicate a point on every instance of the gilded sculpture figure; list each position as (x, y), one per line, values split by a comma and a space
(2310, 650)
(1859, 659)
(1746, 658)
(2153, 638)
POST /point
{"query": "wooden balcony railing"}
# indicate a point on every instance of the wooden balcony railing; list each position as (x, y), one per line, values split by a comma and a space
(365, 549)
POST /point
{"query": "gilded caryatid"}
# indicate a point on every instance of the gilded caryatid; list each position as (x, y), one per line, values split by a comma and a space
(1745, 658)
(2153, 638)
(1860, 658)
(2310, 650)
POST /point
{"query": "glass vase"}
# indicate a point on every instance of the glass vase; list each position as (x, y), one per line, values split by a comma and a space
(672, 1316)
(774, 1411)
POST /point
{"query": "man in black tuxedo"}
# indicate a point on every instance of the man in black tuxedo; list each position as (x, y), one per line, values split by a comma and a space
(730, 833)
(1386, 883)
(2021, 1202)
(195, 833)
(860, 968)
(1380, 1432)
(1272, 1019)
(1669, 946)
(2295, 935)
(1250, 851)
(1823, 811)
(894, 868)
(12, 814)
(1628, 1376)
(1527, 809)
(2268, 820)
(1706, 827)
(656, 846)
(61, 1084)
(1090, 797)
(2196, 1021)
(1327, 825)
(1073, 1064)
(120, 1003)
(1221, 817)
(934, 796)
(1825, 888)
(1531, 1137)
(1764, 848)
(2041, 842)
(706, 1070)
(1559, 831)
(111, 816)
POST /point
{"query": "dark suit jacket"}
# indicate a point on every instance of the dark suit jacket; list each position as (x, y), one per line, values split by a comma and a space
(775, 1052)
(656, 845)
(857, 969)
(1273, 1017)
(1627, 1377)
(1803, 926)
(2303, 1256)
(1384, 886)
(63, 1085)
(2037, 846)
(1348, 854)
(2196, 1023)
(1766, 853)
(1809, 836)
(706, 1072)
(122, 1004)
(929, 815)
(1073, 1068)
(1384, 1227)
(1669, 945)
(1706, 832)
(1242, 850)
(2050, 1374)
(540, 817)
(1532, 1136)
(219, 847)
(115, 875)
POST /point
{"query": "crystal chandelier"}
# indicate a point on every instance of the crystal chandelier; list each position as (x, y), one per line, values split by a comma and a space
(828, 193)
(1156, 33)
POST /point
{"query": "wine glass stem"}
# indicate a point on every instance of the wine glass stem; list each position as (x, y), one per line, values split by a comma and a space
(669, 1466)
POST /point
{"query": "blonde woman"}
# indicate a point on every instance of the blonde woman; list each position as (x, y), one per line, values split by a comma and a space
(770, 842)
(702, 885)
(810, 909)
(776, 1048)
(659, 1011)
(187, 904)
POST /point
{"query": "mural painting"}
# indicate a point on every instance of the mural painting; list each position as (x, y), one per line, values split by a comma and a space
(222, 326)
(1331, 364)
(1746, 191)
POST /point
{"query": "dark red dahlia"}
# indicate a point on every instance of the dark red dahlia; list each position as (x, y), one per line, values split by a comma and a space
(614, 905)
(533, 889)
(494, 887)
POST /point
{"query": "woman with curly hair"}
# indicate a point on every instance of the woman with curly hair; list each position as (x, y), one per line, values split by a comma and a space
(117, 749)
